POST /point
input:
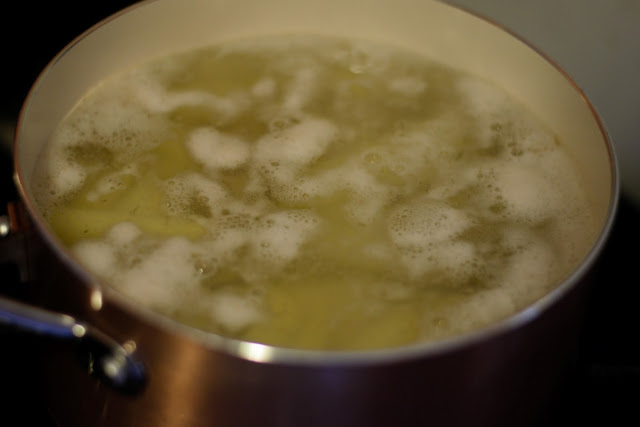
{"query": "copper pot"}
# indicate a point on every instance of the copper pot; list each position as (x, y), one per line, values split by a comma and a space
(155, 372)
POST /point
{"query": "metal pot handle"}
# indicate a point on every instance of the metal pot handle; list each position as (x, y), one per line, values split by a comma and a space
(102, 356)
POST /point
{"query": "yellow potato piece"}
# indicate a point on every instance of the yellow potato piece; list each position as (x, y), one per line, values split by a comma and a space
(73, 225)
(171, 159)
(395, 324)
(141, 203)
(330, 315)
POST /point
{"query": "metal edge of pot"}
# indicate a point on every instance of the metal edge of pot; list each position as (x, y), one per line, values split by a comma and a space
(270, 354)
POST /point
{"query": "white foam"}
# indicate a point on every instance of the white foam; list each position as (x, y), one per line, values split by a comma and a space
(527, 194)
(362, 57)
(228, 240)
(453, 183)
(368, 196)
(123, 233)
(284, 152)
(67, 177)
(424, 222)
(180, 190)
(234, 312)
(454, 258)
(533, 139)
(264, 88)
(156, 99)
(98, 257)
(279, 236)
(482, 97)
(300, 91)
(113, 119)
(485, 306)
(530, 263)
(111, 183)
(408, 86)
(217, 150)
(437, 141)
(164, 276)
(426, 232)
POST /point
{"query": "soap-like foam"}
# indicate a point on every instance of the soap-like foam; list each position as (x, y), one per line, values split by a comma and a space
(300, 90)
(424, 222)
(407, 86)
(216, 150)
(184, 190)
(264, 88)
(111, 183)
(427, 233)
(163, 276)
(526, 194)
(278, 237)
(98, 257)
(234, 312)
(157, 100)
(123, 234)
(297, 145)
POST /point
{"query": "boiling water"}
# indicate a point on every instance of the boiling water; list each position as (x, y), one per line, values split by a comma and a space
(314, 193)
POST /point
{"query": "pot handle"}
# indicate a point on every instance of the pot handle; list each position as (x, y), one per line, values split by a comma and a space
(102, 356)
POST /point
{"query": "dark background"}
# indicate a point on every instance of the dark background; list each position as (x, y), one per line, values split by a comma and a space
(602, 385)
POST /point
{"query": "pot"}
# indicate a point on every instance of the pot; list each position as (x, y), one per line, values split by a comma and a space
(154, 371)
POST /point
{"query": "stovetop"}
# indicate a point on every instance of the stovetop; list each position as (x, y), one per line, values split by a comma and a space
(602, 385)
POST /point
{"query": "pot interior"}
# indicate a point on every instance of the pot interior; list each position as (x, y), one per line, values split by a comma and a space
(437, 30)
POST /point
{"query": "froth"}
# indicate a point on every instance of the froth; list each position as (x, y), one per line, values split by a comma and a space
(424, 222)
(483, 98)
(217, 150)
(427, 232)
(98, 257)
(111, 183)
(163, 276)
(234, 312)
(68, 178)
(194, 194)
(407, 86)
(123, 234)
(527, 194)
(297, 145)
(156, 99)
(278, 237)
(300, 91)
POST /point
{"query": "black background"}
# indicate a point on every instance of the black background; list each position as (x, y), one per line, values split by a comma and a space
(602, 386)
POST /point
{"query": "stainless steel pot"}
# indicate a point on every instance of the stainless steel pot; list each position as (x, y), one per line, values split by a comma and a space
(155, 372)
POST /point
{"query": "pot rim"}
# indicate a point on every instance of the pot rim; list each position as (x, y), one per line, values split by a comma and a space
(263, 353)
